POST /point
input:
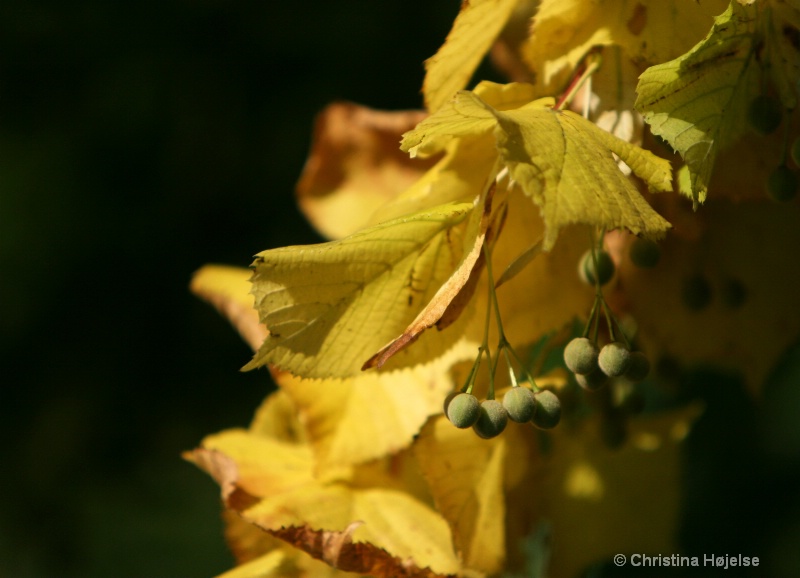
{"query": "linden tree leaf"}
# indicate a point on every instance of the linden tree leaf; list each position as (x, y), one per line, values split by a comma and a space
(360, 528)
(448, 299)
(475, 28)
(354, 166)
(561, 160)
(698, 102)
(330, 306)
(565, 164)
(372, 415)
(228, 290)
(648, 31)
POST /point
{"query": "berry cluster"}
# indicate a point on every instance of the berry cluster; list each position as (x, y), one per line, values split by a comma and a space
(594, 367)
(488, 418)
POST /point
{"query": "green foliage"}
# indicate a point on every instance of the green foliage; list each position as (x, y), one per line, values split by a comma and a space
(698, 102)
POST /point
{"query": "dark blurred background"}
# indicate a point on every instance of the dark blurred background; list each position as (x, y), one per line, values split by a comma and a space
(139, 141)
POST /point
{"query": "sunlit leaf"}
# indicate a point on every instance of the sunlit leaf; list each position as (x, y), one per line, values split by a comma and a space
(698, 102)
(329, 307)
(465, 475)
(475, 28)
(648, 32)
(369, 416)
(355, 167)
(228, 290)
(365, 528)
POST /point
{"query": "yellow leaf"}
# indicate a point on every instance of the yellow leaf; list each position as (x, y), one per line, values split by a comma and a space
(228, 290)
(475, 28)
(354, 166)
(698, 102)
(465, 476)
(371, 415)
(329, 307)
(561, 160)
(648, 31)
(363, 528)
(454, 294)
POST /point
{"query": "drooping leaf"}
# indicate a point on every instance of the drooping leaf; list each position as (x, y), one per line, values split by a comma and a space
(372, 415)
(329, 307)
(698, 102)
(445, 301)
(354, 166)
(365, 528)
(475, 28)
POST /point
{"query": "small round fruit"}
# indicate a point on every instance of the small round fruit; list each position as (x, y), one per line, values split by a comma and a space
(696, 293)
(580, 356)
(645, 253)
(520, 404)
(638, 366)
(764, 114)
(782, 184)
(592, 381)
(614, 359)
(548, 410)
(492, 419)
(463, 410)
(605, 268)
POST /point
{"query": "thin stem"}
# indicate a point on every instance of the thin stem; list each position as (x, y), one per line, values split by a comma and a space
(588, 71)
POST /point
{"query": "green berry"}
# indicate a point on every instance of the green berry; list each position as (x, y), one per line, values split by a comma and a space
(463, 410)
(696, 293)
(645, 253)
(764, 114)
(638, 366)
(580, 355)
(782, 184)
(520, 404)
(592, 381)
(548, 410)
(614, 359)
(605, 268)
(492, 419)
